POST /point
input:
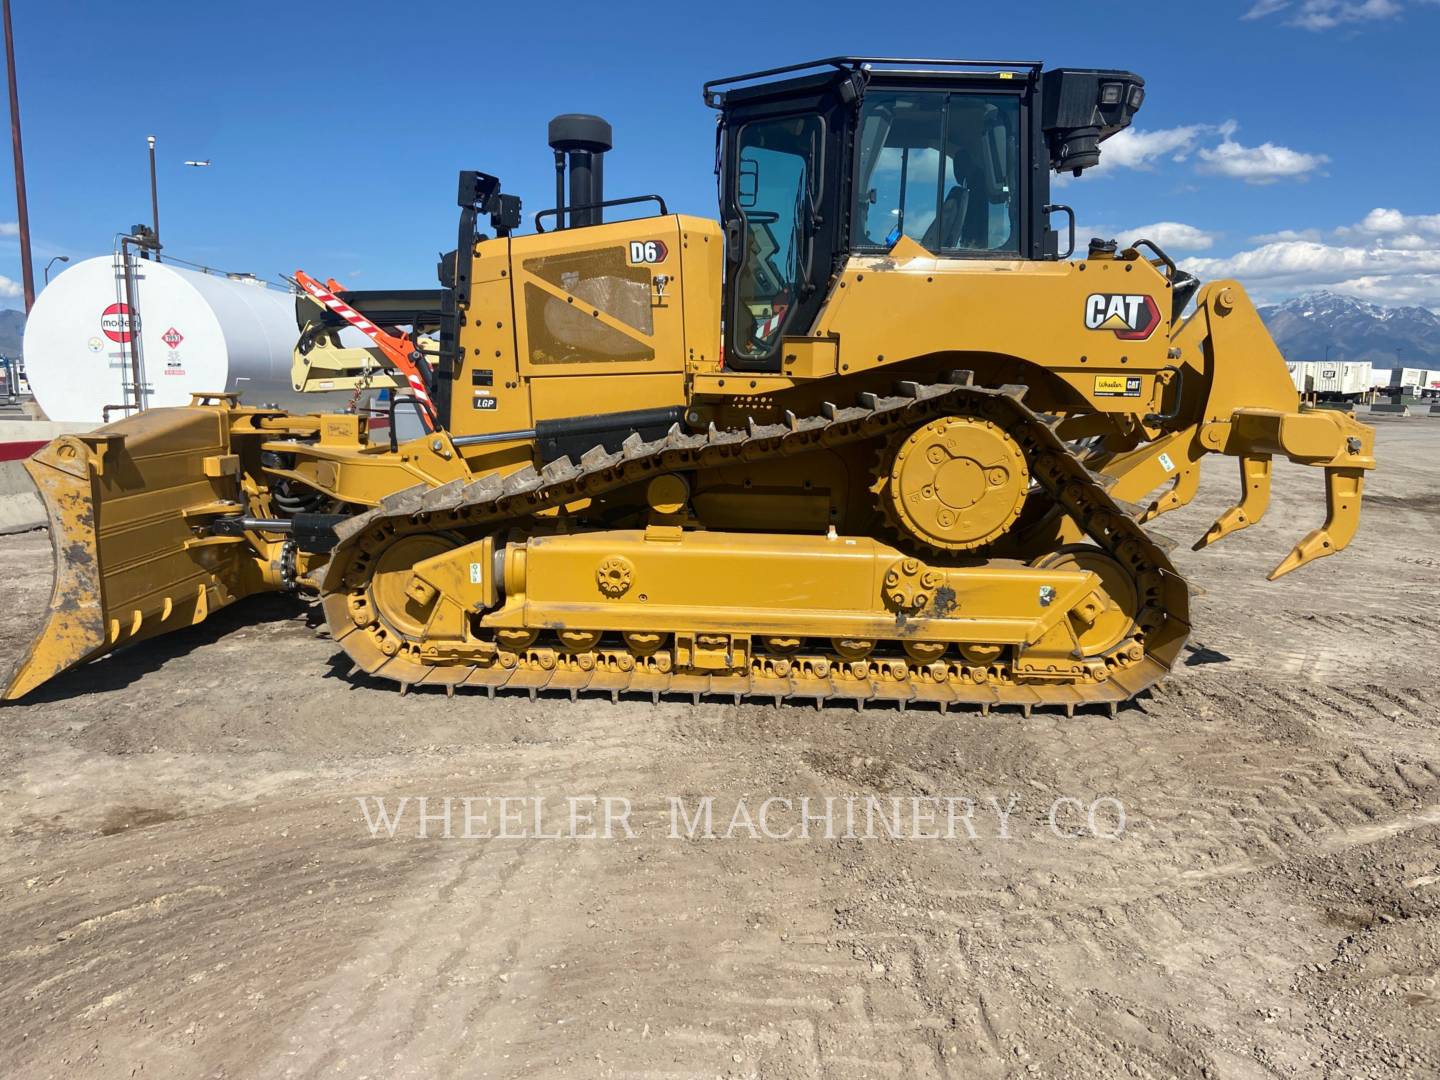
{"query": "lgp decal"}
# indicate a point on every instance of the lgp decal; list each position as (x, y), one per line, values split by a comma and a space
(648, 251)
(1131, 316)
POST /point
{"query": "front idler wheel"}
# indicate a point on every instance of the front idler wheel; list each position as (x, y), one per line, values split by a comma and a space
(1109, 620)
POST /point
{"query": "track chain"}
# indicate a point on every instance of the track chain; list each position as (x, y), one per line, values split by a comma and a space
(460, 506)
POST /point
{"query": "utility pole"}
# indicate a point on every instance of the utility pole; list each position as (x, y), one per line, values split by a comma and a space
(22, 211)
(154, 197)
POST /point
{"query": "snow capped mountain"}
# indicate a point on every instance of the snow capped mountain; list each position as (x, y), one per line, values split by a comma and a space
(1353, 330)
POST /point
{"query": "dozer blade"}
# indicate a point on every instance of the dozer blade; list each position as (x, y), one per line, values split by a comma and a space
(122, 503)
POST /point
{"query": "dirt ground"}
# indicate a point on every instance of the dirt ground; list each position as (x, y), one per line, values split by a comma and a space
(188, 886)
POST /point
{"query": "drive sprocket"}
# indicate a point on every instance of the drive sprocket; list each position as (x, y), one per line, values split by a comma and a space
(954, 484)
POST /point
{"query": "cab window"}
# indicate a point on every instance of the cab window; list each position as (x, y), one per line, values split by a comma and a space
(777, 183)
(940, 168)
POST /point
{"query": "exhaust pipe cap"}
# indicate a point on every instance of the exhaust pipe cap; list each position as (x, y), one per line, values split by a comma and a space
(572, 132)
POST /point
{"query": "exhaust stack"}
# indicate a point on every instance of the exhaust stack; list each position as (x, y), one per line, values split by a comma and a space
(584, 140)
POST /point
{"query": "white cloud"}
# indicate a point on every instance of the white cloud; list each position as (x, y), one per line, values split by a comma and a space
(1328, 14)
(1263, 164)
(1417, 290)
(1263, 8)
(9, 288)
(1388, 257)
(1306, 261)
(1322, 15)
(1407, 232)
(1136, 148)
(1286, 234)
(1171, 235)
(9, 228)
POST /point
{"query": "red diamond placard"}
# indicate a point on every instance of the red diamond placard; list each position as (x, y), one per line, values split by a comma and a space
(172, 337)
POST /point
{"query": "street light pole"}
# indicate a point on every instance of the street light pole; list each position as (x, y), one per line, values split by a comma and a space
(52, 262)
(22, 211)
(154, 198)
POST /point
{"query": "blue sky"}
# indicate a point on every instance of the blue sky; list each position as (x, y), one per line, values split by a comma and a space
(1291, 144)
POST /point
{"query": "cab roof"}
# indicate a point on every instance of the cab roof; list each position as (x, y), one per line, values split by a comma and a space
(821, 72)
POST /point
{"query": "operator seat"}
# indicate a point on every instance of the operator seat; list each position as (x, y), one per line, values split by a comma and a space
(944, 231)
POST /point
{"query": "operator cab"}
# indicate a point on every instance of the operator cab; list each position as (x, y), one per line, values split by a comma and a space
(840, 157)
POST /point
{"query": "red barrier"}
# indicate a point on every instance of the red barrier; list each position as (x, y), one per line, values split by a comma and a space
(19, 451)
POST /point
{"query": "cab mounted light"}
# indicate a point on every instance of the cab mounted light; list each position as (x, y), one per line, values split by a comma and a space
(1082, 108)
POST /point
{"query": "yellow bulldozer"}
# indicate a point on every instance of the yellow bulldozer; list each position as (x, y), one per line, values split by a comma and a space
(876, 435)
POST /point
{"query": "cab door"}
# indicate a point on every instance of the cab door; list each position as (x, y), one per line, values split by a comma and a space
(783, 166)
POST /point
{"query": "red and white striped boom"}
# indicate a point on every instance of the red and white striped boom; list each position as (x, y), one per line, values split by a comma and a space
(397, 349)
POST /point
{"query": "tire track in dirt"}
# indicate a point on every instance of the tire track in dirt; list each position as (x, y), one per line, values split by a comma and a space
(1239, 926)
(148, 949)
(1266, 809)
(374, 1009)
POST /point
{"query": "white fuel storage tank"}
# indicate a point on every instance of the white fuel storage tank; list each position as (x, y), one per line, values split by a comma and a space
(190, 331)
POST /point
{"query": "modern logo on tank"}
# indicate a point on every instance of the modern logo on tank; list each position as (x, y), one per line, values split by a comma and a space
(172, 337)
(118, 323)
(1132, 316)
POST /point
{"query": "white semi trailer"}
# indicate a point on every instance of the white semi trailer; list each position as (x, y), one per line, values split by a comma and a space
(1415, 382)
(1332, 380)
